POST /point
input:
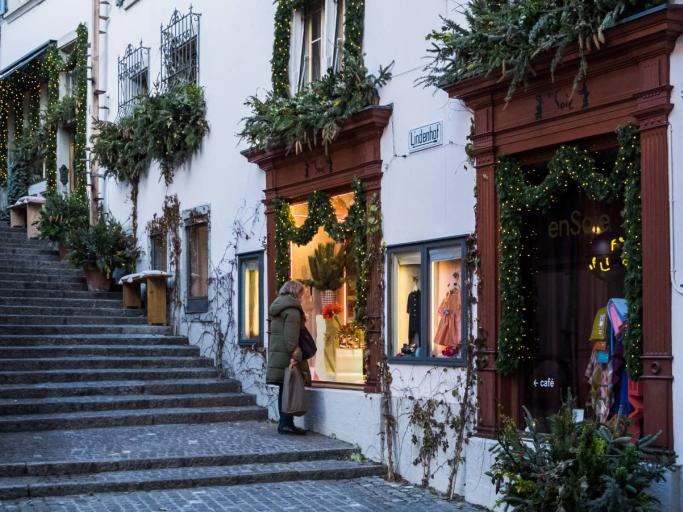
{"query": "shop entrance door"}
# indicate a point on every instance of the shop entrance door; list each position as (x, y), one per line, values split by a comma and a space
(572, 267)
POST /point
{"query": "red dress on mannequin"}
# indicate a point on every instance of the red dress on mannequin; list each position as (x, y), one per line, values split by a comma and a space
(448, 330)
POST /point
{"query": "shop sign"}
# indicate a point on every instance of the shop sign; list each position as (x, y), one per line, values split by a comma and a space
(425, 137)
(544, 383)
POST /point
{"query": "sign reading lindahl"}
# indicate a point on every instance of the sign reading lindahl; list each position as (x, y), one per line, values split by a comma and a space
(425, 137)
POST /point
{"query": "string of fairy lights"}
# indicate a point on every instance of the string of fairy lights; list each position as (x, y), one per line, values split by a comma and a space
(24, 86)
(321, 213)
(569, 165)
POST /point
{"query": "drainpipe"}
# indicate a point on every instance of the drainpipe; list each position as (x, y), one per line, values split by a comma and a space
(99, 26)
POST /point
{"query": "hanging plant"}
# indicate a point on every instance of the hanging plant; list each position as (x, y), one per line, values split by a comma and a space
(353, 231)
(165, 127)
(517, 196)
(505, 38)
(315, 114)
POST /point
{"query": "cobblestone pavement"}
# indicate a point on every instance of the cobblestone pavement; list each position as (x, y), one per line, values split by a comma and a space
(363, 494)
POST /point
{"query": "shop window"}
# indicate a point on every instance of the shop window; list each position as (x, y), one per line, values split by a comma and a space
(575, 271)
(197, 236)
(250, 297)
(159, 251)
(180, 50)
(328, 269)
(427, 322)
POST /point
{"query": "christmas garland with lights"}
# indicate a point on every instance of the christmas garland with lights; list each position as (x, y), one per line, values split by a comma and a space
(352, 230)
(39, 140)
(316, 113)
(516, 196)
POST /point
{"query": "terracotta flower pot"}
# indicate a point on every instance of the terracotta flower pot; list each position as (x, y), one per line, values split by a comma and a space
(63, 251)
(97, 281)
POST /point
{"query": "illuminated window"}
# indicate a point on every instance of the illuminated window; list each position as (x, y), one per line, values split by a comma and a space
(250, 296)
(328, 269)
(426, 316)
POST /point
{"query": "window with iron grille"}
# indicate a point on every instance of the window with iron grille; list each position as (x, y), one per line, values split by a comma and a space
(180, 50)
(133, 77)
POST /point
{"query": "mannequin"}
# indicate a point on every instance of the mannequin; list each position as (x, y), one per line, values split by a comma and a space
(414, 313)
(448, 331)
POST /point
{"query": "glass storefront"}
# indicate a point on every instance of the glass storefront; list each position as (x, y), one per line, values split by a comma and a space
(328, 270)
(573, 272)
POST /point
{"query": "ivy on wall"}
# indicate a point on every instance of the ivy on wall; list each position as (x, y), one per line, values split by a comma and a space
(314, 114)
(569, 165)
(504, 37)
(321, 213)
(38, 140)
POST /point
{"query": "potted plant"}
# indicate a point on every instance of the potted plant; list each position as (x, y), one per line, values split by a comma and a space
(100, 249)
(327, 271)
(576, 465)
(61, 215)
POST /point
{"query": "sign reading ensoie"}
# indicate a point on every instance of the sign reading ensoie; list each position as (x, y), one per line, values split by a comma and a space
(426, 136)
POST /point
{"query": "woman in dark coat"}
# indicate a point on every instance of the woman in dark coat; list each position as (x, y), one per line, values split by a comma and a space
(287, 318)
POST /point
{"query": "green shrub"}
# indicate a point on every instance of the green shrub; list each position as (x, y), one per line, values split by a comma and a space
(61, 215)
(105, 244)
(576, 466)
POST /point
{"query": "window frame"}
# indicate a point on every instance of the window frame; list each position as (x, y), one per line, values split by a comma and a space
(424, 248)
(241, 258)
(306, 64)
(180, 37)
(133, 69)
(153, 251)
(192, 219)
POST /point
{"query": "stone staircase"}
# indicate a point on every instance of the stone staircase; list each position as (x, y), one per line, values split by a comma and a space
(93, 399)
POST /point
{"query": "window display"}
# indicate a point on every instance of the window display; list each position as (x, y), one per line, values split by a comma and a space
(426, 314)
(328, 270)
(250, 297)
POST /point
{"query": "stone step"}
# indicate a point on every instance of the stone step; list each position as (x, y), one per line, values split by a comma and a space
(83, 375)
(117, 388)
(60, 309)
(18, 352)
(128, 417)
(17, 243)
(82, 304)
(58, 405)
(59, 294)
(30, 266)
(25, 249)
(43, 276)
(186, 477)
(85, 329)
(40, 284)
(114, 340)
(21, 294)
(98, 363)
(33, 320)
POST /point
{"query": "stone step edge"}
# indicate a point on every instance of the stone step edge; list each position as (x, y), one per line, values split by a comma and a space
(175, 478)
(123, 413)
(78, 467)
(117, 398)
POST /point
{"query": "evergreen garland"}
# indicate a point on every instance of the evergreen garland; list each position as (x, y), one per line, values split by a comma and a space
(39, 139)
(316, 113)
(569, 165)
(506, 37)
(321, 213)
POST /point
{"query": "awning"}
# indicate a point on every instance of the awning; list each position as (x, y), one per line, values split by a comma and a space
(26, 59)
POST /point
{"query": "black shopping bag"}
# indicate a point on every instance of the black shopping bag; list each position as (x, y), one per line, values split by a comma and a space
(294, 399)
